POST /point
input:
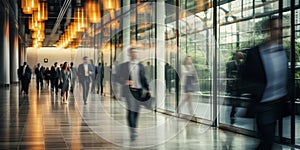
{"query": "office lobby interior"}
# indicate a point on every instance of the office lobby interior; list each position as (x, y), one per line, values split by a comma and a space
(214, 35)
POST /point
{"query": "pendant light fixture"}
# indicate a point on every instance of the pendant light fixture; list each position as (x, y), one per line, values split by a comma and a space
(29, 5)
(92, 8)
(80, 19)
(108, 4)
(43, 11)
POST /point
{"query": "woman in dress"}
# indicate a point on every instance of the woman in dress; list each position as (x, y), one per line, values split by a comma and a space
(65, 79)
(189, 80)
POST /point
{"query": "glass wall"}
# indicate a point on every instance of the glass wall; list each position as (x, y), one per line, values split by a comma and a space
(178, 40)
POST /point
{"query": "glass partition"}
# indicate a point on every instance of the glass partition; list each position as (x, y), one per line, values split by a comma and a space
(171, 35)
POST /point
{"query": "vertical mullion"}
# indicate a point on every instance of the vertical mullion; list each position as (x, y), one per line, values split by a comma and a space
(293, 70)
(177, 56)
(214, 81)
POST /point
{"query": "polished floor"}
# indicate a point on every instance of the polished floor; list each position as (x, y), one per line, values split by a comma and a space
(41, 121)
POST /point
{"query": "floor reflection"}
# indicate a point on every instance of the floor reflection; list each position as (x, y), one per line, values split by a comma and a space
(42, 121)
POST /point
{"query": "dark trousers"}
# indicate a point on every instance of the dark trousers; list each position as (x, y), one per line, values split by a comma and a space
(100, 85)
(132, 118)
(267, 134)
(54, 83)
(39, 81)
(266, 116)
(25, 85)
(85, 83)
(133, 107)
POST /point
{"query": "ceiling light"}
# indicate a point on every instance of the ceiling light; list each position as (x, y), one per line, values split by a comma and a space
(92, 8)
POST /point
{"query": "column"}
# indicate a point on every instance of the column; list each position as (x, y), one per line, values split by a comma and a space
(4, 45)
(14, 43)
(160, 51)
(125, 30)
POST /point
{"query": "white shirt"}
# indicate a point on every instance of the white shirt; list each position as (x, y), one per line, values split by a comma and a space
(86, 69)
(24, 69)
(135, 75)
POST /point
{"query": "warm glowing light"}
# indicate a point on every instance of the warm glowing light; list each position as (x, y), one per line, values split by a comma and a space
(115, 24)
(30, 23)
(43, 11)
(92, 8)
(29, 5)
(35, 25)
(109, 4)
(38, 34)
(80, 19)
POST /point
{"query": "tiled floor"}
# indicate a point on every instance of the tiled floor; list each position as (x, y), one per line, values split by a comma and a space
(41, 121)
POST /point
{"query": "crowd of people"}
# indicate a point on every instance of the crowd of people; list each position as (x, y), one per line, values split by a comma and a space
(63, 78)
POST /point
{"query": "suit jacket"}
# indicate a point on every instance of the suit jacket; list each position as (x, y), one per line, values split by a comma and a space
(27, 74)
(55, 73)
(39, 72)
(123, 77)
(81, 72)
(254, 81)
(253, 74)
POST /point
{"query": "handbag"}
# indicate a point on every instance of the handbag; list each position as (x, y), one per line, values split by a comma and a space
(145, 95)
(147, 100)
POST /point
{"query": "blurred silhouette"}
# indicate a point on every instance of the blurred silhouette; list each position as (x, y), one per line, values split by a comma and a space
(149, 71)
(94, 80)
(47, 75)
(115, 86)
(233, 74)
(55, 74)
(85, 74)
(99, 77)
(39, 72)
(265, 77)
(168, 77)
(189, 79)
(106, 79)
(65, 79)
(73, 76)
(133, 80)
(25, 76)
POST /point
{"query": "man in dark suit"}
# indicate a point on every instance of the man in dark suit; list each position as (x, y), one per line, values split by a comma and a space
(25, 76)
(265, 77)
(55, 74)
(131, 75)
(85, 75)
(99, 77)
(233, 82)
(39, 72)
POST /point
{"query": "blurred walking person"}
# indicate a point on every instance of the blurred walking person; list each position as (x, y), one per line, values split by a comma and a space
(85, 74)
(39, 72)
(25, 77)
(65, 79)
(233, 74)
(47, 75)
(189, 81)
(265, 77)
(99, 77)
(106, 81)
(131, 75)
(73, 77)
(55, 74)
(94, 80)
